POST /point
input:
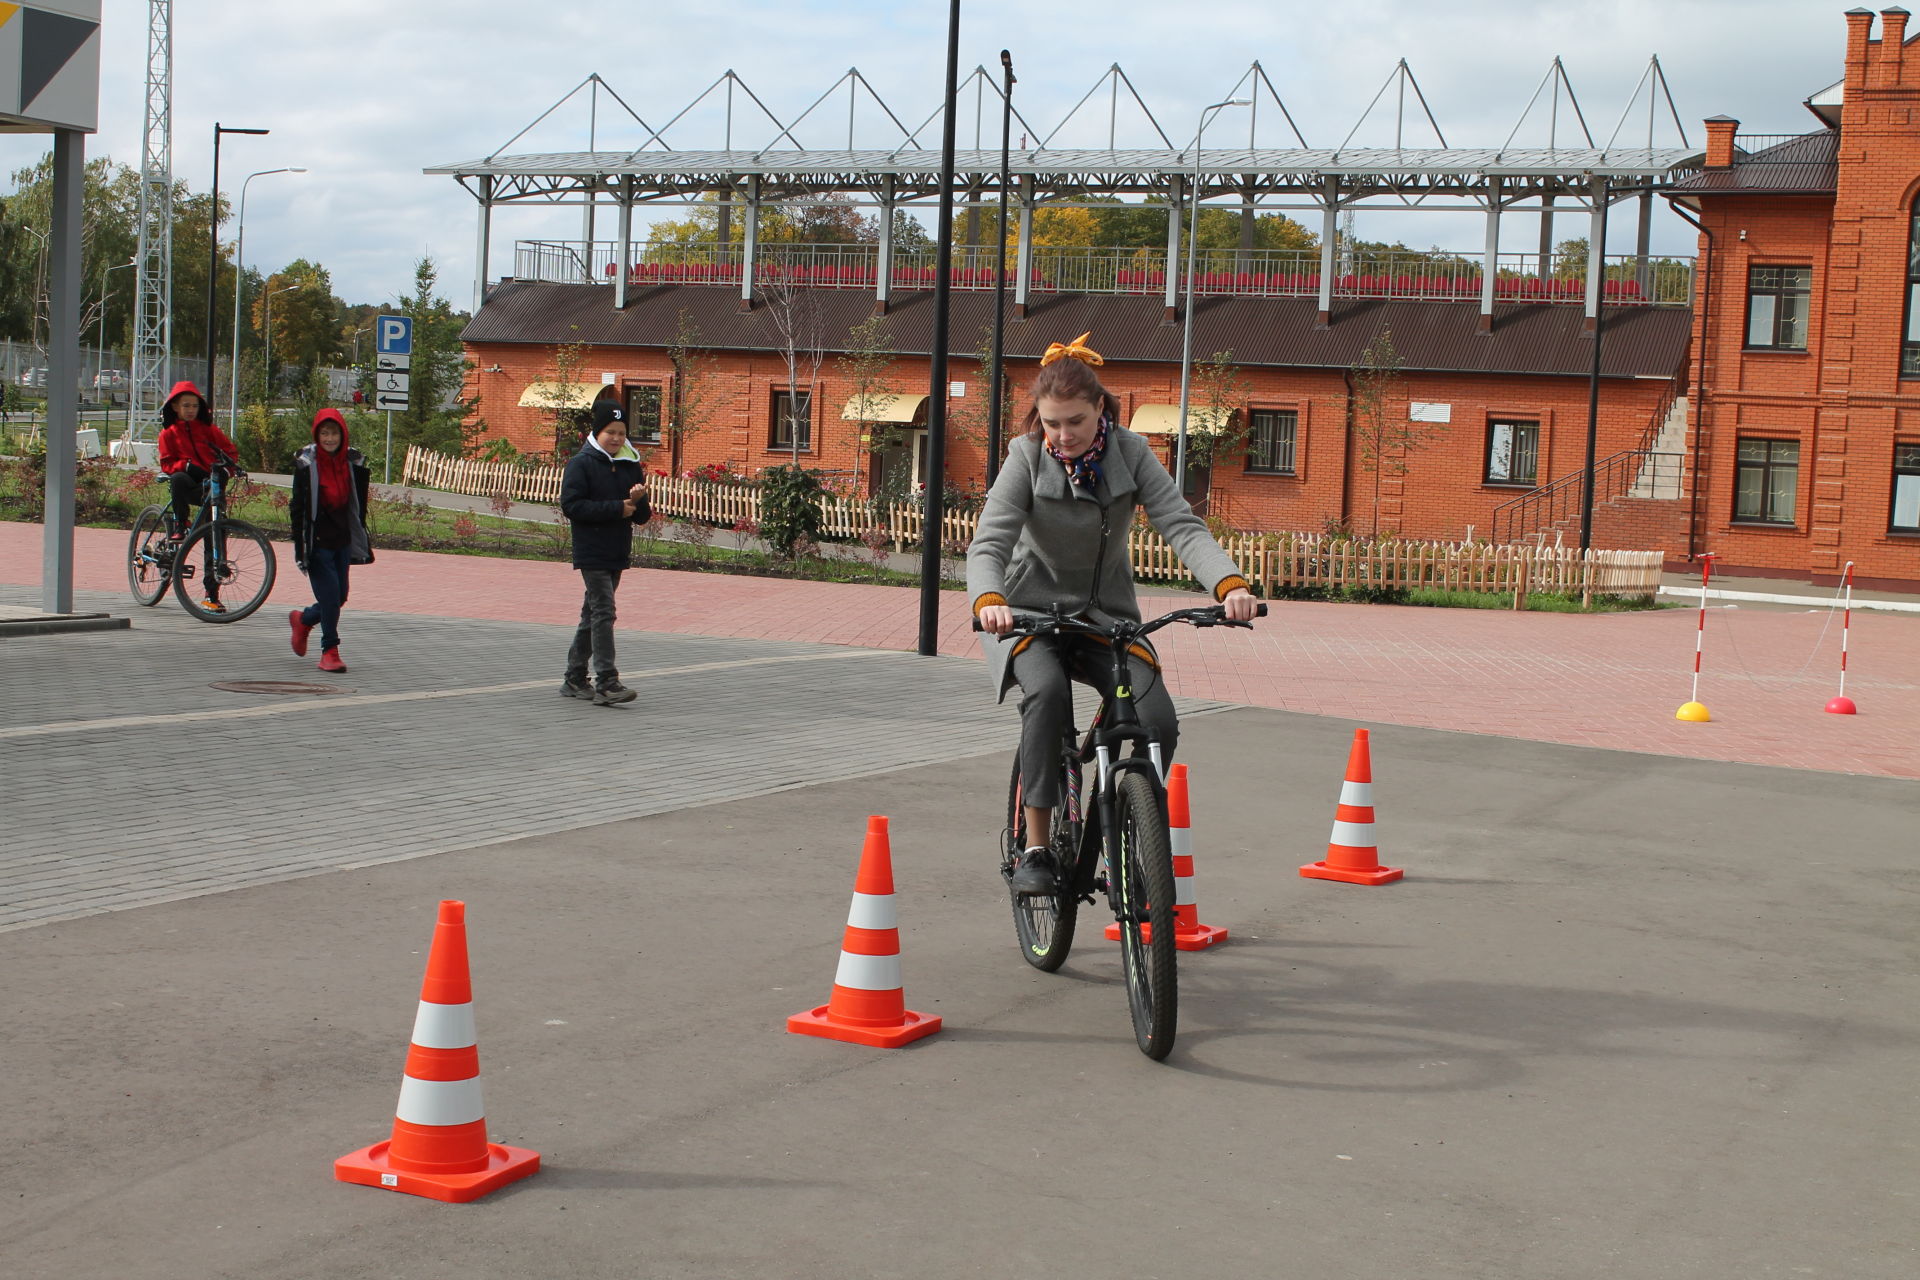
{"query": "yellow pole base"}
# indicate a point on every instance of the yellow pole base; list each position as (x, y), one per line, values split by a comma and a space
(1692, 711)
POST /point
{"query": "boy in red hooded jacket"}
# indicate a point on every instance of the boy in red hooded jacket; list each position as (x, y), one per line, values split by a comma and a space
(190, 447)
(328, 514)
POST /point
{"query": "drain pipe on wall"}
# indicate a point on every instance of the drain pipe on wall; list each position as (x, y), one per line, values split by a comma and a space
(1346, 454)
(1700, 381)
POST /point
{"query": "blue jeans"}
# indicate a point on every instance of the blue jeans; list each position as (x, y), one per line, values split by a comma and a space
(593, 640)
(327, 572)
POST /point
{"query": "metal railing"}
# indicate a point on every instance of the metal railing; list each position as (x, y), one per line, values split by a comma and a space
(1630, 280)
(1615, 476)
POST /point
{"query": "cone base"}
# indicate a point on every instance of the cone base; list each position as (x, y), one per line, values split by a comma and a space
(817, 1022)
(1196, 937)
(369, 1167)
(1349, 875)
(1842, 706)
(1693, 711)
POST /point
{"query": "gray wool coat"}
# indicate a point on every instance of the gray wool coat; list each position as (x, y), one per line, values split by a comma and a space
(1042, 542)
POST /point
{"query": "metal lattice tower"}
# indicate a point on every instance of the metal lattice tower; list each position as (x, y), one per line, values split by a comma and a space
(153, 315)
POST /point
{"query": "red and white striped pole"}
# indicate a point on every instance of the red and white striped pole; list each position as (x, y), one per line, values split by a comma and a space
(1691, 708)
(1843, 705)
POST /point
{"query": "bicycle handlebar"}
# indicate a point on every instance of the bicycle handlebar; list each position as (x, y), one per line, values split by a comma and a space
(1039, 624)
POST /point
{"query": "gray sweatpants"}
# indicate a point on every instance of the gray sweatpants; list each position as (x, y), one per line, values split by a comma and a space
(1045, 670)
(594, 639)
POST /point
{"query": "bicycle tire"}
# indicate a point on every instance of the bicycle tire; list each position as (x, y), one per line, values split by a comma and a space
(149, 566)
(1142, 866)
(246, 565)
(1044, 923)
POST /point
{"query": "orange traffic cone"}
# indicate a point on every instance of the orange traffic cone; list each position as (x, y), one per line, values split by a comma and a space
(1188, 933)
(439, 1147)
(868, 1005)
(1351, 854)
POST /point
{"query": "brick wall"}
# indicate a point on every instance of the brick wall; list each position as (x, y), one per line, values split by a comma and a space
(1842, 399)
(1442, 495)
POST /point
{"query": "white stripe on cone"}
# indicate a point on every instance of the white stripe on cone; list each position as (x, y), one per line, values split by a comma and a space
(868, 973)
(1360, 793)
(1354, 835)
(872, 911)
(444, 1026)
(439, 1102)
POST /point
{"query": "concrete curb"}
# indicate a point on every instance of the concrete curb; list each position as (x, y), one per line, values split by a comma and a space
(1812, 602)
(58, 623)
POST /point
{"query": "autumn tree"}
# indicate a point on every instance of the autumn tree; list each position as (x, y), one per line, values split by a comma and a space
(694, 388)
(1382, 427)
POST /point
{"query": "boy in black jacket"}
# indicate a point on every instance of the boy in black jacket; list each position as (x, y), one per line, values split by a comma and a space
(603, 495)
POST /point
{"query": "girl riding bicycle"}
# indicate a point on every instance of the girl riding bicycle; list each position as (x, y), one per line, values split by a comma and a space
(1053, 536)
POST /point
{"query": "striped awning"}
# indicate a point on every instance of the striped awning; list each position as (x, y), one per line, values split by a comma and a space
(883, 408)
(559, 395)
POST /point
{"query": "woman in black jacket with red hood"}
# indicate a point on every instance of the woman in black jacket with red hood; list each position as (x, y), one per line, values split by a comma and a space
(329, 519)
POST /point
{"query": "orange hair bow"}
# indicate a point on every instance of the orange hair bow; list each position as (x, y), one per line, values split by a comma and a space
(1076, 350)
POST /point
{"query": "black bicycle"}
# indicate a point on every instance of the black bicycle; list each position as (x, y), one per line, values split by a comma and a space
(221, 569)
(1111, 836)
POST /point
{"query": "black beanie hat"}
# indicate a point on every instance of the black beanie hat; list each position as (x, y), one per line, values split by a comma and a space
(605, 411)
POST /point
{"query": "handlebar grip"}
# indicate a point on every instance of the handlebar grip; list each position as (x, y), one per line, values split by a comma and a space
(1260, 610)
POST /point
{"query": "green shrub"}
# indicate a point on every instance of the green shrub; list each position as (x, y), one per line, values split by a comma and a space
(790, 509)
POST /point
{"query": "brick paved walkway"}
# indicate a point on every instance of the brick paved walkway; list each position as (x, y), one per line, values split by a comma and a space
(1609, 681)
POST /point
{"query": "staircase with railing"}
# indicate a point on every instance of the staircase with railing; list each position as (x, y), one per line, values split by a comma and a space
(1656, 470)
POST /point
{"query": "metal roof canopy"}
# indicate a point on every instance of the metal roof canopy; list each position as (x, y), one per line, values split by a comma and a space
(1329, 180)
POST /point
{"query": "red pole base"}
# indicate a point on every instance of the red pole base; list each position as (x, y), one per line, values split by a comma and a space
(1842, 706)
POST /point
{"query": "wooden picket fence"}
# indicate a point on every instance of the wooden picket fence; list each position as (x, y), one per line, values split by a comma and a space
(1275, 562)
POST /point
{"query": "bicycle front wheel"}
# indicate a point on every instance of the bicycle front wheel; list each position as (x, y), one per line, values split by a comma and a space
(1142, 867)
(149, 558)
(224, 571)
(1044, 923)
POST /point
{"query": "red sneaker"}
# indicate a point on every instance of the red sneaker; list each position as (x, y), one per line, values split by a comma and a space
(330, 661)
(300, 632)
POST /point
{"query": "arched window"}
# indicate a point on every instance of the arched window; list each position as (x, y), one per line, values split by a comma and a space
(1910, 343)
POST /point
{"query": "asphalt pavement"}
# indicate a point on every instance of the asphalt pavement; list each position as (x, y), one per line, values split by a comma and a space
(1626, 1015)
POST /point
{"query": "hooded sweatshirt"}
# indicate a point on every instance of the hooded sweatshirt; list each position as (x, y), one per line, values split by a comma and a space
(329, 500)
(196, 443)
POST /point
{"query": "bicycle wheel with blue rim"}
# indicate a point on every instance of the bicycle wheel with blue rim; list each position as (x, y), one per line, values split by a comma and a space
(224, 571)
(1044, 923)
(1141, 861)
(149, 558)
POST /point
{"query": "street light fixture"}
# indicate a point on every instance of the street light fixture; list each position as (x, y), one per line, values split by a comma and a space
(213, 251)
(267, 327)
(105, 294)
(1186, 318)
(239, 279)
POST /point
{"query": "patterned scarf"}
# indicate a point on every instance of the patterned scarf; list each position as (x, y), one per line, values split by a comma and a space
(1084, 471)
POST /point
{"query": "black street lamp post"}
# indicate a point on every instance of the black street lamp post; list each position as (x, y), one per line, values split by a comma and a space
(997, 381)
(930, 533)
(213, 262)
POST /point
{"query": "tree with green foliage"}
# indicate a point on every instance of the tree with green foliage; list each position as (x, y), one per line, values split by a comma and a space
(1216, 417)
(790, 509)
(437, 416)
(866, 364)
(1382, 428)
(564, 383)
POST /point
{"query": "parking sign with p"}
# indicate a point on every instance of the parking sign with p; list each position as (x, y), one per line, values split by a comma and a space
(393, 335)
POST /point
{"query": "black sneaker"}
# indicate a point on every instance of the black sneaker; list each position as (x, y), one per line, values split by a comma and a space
(1033, 874)
(612, 693)
(576, 686)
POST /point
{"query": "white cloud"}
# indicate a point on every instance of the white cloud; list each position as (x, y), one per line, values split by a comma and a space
(367, 93)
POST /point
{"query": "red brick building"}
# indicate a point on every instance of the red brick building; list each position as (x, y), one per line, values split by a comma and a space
(1505, 411)
(1805, 431)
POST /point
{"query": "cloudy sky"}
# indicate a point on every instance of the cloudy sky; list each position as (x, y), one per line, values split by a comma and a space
(367, 93)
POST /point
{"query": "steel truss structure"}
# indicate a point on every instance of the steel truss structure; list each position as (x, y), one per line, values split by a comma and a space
(153, 311)
(1326, 181)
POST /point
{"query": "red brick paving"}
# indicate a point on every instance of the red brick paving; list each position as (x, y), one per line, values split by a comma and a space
(1606, 681)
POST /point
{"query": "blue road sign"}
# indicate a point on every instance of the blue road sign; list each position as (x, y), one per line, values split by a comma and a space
(393, 335)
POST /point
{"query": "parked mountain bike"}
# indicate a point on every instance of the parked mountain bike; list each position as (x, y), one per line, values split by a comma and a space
(1110, 836)
(221, 570)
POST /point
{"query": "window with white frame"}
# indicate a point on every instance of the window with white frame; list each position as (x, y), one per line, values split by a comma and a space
(1271, 436)
(1513, 452)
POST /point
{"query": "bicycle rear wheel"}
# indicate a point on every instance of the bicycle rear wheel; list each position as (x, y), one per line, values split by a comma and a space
(1142, 867)
(231, 562)
(1044, 922)
(149, 558)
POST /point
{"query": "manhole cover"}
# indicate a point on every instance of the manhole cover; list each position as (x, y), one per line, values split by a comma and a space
(277, 686)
